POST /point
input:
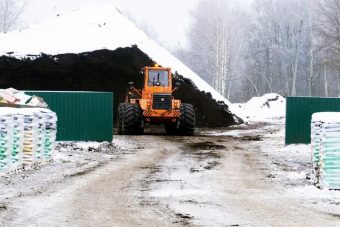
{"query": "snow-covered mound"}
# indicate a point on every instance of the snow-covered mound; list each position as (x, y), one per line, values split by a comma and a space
(91, 28)
(264, 108)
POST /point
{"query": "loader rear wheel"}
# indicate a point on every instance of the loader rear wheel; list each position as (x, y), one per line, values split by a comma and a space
(187, 119)
(132, 119)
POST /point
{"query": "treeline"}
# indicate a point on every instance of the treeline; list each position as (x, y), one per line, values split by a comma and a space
(290, 47)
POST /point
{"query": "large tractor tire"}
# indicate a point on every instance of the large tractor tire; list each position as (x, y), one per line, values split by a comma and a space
(120, 113)
(187, 119)
(130, 119)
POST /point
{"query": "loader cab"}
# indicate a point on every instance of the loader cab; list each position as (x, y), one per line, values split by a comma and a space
(157, 80)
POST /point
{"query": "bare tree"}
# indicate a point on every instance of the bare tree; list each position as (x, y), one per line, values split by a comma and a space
(329, 30)
(280, 46)
(290, 47)
(217, 38)
(10, 11)
(295, 63)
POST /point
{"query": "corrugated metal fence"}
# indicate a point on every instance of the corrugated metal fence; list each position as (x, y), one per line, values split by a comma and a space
(82, 116)
(299, 111)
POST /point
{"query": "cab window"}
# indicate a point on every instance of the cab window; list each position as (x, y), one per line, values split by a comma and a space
(158, 78)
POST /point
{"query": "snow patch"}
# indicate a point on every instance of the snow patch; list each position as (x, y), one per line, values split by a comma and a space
(87, 145)
(265, 108)
(328, 117)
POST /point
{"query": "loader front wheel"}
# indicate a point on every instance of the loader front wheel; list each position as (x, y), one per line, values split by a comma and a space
(187, 119)
(120, 113)
(132, 119)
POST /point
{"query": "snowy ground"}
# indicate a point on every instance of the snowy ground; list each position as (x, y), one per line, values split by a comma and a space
(239, 176)
(70, 160)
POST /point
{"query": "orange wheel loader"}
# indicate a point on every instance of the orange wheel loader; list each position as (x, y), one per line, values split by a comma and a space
(154, 104)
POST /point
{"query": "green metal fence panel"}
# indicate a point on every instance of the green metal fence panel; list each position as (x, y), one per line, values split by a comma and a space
(299, 112)
(82, 116)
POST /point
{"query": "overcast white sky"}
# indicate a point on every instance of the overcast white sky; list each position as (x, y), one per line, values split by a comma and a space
(169, 19)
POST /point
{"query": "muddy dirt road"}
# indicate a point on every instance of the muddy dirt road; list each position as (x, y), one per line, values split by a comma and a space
(205, 180)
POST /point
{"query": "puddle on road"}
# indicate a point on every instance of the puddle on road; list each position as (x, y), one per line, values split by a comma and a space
(184, 219)
(251, 138)
(153, 169)
(206, 146)
(211, 165)
(186, 216)
(206, 155)
(334, 215)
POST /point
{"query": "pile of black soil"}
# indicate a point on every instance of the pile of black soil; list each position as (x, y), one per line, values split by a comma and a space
(104, 70)
(209, 113)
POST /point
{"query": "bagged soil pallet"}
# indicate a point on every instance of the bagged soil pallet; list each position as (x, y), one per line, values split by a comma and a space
(6, 140)
(16, 144)
(329, 149)
(40, 141)
(315, 143)
(40, 135)
(18, 141)
(30, 139)
(27, 137)
(50, 134)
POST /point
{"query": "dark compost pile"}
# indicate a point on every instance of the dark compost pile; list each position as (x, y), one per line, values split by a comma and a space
(104, 70)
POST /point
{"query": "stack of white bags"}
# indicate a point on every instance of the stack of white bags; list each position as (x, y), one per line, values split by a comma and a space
(315, 142)
(50, 135)
(18, 140)
(6, 141)
(325, 135)
(27, 137)
(30, 135)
